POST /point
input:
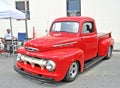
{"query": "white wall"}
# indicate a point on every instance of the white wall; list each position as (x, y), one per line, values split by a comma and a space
(17, 26)
(43, 12)
(106, 14)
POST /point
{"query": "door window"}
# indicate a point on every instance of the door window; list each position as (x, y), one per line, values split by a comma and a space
(87, 28)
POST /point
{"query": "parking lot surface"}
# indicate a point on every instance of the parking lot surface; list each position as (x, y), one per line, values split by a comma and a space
(106, 74)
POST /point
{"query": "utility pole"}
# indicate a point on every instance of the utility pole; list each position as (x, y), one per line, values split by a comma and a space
(26, 27)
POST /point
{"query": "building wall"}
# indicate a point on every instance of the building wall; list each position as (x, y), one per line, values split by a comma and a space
(106, 14)
(43, 12)
(17, 26)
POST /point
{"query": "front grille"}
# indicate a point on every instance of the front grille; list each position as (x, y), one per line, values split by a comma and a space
(34, 61)
(34, 64)
(31, 49)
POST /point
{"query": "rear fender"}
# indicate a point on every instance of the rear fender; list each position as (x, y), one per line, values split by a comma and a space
(104, 45)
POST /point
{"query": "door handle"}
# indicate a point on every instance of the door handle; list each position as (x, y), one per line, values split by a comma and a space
(82, 38)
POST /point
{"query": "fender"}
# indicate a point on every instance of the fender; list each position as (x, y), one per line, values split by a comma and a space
(104, 45)
(62, 57)
(74, 54)
(66, 57)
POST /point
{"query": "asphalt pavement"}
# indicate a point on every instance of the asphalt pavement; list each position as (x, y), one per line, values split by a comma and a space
(105, 74)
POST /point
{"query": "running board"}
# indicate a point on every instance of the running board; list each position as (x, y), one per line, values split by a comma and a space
(92, 62)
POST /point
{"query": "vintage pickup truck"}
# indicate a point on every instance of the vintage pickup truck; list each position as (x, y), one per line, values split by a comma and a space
(71, 46)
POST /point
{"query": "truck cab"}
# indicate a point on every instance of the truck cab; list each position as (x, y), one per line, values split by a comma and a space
(70, 43)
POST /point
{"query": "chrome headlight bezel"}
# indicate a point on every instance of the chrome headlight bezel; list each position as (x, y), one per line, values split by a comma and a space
(18, 57)
(50, 65)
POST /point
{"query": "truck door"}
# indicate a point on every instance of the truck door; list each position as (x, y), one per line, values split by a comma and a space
(89, 40)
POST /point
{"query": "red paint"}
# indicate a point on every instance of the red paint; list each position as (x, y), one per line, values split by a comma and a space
(65, 47)
(33, 32)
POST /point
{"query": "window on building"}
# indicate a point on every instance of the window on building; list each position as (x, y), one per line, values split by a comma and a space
(73, 7)
(20, 5)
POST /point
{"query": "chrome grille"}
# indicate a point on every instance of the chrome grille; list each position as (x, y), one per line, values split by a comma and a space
(33, 61)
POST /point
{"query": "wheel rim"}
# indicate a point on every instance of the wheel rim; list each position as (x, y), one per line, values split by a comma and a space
(109, 52)
(73, 70)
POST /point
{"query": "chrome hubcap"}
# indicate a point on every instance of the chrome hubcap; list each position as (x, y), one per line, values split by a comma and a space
(109, 52)
(73, 70)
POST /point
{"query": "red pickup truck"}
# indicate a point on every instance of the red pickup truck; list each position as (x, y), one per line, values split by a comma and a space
(71, 46)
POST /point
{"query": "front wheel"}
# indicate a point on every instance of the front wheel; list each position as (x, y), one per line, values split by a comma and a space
(72, 72)
(109, 53)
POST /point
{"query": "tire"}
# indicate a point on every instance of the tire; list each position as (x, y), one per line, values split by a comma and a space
(72, 72)
(109, 53)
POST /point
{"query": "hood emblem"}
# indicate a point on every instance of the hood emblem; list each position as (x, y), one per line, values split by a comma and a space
(32, 49)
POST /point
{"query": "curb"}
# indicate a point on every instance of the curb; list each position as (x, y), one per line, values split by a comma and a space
(116, 50)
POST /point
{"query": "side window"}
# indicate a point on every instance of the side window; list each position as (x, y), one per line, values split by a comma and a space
(87, 28)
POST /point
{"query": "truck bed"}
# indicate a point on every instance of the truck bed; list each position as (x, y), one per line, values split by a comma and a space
(104, 35)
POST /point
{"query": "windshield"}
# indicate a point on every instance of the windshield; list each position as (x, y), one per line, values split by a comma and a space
(72, 27)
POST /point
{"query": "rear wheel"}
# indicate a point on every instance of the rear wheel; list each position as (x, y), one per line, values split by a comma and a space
(72, 72)
(109, 53)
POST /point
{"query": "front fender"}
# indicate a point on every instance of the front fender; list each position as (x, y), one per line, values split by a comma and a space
(62, 57)
(65, 57)
(104, 45)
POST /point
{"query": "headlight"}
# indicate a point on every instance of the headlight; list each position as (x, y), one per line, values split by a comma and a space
(50, 65)
(18, 56)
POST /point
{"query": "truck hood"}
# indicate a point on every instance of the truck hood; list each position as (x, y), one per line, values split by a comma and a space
(49, 43)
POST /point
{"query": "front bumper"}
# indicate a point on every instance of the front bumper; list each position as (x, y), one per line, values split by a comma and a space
(42, 79)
